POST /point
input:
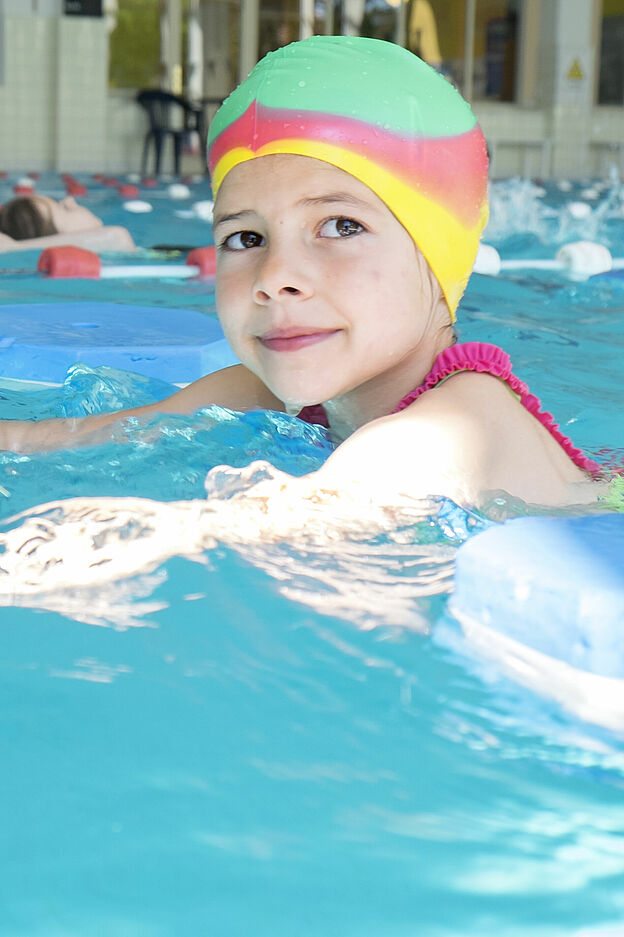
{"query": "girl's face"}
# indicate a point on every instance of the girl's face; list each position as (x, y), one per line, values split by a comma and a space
(67, 216)
(320, 290)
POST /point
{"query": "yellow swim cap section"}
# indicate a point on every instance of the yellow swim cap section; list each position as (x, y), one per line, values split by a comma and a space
(450, 254)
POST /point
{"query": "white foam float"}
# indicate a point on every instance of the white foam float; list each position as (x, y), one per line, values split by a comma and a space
(487, 261)
(178, 191)
(578, 259)
(204, 210)
(579, 210)
(137, 206)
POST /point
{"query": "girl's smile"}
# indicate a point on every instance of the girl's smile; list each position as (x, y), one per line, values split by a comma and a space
(294, 338)
(306, 254)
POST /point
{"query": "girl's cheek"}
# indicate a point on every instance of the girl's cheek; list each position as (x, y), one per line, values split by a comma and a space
(224, 289)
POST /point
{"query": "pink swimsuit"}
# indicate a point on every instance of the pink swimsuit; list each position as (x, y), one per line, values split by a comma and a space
(486, 359)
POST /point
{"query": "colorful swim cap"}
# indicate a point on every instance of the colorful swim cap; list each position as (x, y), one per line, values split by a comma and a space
(376, 111)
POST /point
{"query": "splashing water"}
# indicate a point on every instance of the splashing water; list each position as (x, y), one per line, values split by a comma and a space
(522, 221)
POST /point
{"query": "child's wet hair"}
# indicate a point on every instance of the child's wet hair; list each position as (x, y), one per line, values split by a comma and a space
(22, 219)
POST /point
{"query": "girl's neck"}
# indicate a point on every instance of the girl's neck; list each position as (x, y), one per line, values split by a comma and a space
(379, 396)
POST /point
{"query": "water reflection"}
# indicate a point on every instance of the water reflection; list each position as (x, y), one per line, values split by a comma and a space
(99, 560)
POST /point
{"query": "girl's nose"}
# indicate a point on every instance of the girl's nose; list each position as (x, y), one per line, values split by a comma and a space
(282, 274)
(69, 202)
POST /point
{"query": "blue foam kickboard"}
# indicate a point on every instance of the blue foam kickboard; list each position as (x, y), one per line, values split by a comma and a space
(555, 584)
(39, 342)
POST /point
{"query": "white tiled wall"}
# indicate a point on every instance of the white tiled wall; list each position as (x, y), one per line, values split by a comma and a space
(517, 139)
(27, 100)
(56, 111)
(32, 7)
(81, 92)
(126, 124)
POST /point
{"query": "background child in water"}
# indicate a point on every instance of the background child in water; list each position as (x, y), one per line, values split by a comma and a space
(30, 222)
(350, 183)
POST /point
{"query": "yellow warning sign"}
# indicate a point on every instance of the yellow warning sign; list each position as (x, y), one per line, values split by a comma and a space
(576, 72)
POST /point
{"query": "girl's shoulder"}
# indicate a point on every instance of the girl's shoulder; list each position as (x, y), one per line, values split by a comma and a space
(463, 358)
(479, 399)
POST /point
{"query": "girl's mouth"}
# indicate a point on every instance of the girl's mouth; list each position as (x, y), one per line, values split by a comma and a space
(294, 339)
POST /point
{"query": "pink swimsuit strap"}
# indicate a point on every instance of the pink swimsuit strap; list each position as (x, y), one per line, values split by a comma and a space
(490, 359)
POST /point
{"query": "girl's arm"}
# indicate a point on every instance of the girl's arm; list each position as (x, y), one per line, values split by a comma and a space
(103, 540)
(459, 442)
(469, 440)
(234, 387)
(411, 455)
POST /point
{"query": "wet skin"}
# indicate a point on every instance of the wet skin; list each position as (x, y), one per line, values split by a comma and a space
(67, 216)
(320, 290)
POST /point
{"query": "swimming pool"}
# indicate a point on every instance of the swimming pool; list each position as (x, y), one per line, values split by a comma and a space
(292, 738)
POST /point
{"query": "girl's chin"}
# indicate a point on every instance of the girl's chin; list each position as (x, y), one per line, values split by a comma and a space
(294, 403)
(292, 409)
(296, 398)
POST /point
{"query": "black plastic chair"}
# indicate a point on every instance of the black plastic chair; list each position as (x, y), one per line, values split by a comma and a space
(169, 116)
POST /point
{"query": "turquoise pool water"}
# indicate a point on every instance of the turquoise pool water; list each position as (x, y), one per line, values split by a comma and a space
(290, 738)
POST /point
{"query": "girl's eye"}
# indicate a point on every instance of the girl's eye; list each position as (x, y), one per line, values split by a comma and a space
(340, 228)
(243, 240)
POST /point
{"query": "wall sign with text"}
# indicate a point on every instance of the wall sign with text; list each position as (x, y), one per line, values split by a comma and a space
(82, 7)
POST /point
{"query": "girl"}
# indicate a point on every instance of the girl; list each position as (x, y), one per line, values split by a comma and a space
(36, 221)
(350, 182)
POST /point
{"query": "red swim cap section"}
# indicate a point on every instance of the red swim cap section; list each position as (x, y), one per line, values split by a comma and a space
(450, 170)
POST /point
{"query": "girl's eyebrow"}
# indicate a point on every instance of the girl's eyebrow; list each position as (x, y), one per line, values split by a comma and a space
(331, 198)
(232, 216)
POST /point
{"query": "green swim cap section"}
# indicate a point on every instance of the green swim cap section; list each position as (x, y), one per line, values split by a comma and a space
(365, 79)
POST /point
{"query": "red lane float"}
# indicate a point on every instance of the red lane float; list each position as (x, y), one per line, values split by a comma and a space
(69, 262)
(205, 258)
(76, 262)
(127, 190)
(75, 188)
